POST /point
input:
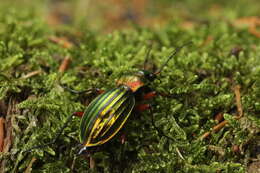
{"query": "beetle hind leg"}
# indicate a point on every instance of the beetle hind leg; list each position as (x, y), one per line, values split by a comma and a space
(59, 133)
(142, 107)
(87, 91)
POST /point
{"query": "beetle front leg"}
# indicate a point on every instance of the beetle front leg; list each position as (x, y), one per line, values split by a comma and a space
(59, 133)
(163, 134)
(87, 91)
(142, 107)
(78, 114)
(152, 94)
(167, 95)
(149, 95)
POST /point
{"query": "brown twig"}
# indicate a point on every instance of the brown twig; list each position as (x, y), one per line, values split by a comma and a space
(29, 167)
(11, 110)
(65, 64)
(223, 123)
(62, 41)
(214, 129)
(2, 133)
(238, 101)
(251, 22)
(31, 74)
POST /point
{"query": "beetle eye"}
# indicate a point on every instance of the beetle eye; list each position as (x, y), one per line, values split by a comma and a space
(151, 77)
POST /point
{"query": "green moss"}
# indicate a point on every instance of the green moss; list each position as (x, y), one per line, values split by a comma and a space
(200, 80)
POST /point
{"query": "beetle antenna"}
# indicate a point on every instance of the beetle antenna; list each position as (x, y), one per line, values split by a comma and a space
(171, 56)
(55, 139)
(147, 56)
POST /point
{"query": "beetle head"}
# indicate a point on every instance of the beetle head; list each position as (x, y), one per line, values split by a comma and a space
(146, 75)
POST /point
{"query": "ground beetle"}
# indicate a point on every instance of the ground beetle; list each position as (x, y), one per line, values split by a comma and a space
(108, 112)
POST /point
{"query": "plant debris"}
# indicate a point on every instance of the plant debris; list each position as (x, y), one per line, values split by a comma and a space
(210, 91)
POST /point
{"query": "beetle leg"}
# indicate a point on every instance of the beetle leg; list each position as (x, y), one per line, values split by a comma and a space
(152, 94)
(167, 95)
(149, 95)
(89, 91)
(156, 128)
(142, 107)
(57, 136)
(78, 114)
(163, 134)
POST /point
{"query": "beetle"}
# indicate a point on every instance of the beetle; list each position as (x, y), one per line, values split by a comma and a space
(108, 112)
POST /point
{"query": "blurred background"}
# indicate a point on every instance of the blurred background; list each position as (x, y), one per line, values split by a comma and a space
(106, 16)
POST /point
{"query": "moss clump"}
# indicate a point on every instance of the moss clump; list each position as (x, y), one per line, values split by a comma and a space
(200, 79)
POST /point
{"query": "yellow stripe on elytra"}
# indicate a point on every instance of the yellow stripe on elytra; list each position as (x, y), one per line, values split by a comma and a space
(112, 120)
(107, 99)
(113, 134)
(97, 123)
(105, 111)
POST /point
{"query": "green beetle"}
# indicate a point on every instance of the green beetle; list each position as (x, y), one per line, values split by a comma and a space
(108, 112)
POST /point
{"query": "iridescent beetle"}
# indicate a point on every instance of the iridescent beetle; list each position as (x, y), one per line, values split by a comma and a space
(107, 113)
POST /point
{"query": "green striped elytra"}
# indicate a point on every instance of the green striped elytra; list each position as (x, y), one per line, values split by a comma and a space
(105, 115)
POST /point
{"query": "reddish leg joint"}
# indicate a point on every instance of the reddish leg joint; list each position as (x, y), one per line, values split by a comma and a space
(149, 95)
(78, 114)
(142, 107)
(100, 91)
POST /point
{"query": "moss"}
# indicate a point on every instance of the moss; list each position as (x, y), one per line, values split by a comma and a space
(200, 79)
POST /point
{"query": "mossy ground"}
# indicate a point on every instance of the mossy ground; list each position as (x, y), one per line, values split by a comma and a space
(200, 79)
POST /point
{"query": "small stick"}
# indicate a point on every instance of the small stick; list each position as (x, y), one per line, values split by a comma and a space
(179, 153)
(65, 64)
(62, 41)
(252, 24)
(239, 110)
(219, 126)
(253, 30)
(29, 167)
(2, 133)
(215, 129)
(31, 74)
(238, 101)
